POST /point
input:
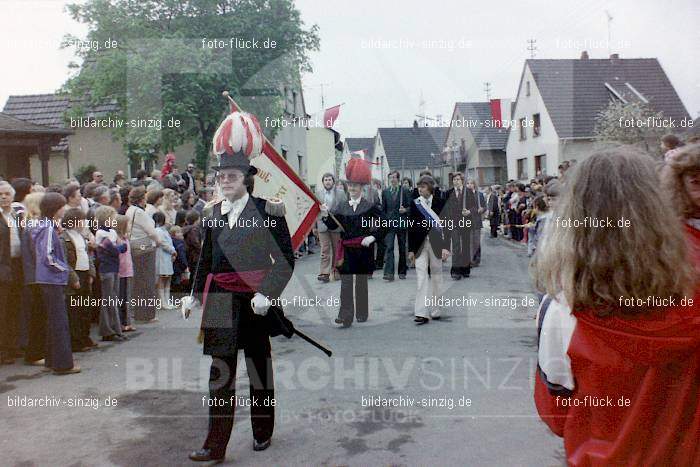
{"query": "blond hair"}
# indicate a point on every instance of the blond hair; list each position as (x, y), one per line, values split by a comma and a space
(685, 162)
(32, 202)
(596, 266)
(122, 225)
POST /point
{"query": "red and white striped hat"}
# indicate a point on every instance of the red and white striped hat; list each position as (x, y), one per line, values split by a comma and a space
(237, 141)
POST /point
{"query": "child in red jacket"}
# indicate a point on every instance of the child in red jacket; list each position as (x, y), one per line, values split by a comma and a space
(619, 332)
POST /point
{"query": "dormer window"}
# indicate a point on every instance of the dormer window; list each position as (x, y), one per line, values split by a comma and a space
(527, 88)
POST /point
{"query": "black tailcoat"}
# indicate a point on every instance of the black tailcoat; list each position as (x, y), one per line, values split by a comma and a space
(420, 228)
(228, 317)
(356, 224)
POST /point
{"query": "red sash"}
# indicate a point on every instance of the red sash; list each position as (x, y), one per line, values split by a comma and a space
(242, 282)
(340, 251)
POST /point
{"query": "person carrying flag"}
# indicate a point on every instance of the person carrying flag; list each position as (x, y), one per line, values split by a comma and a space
(362, 223)
(246, 262)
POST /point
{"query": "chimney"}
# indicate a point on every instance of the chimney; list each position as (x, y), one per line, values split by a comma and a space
(415, 125)
(614, 56)
(584, 55)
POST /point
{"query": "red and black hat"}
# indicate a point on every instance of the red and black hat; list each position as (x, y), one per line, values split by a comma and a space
(358, 171)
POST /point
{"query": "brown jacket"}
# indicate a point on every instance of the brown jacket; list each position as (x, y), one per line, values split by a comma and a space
(71, 259)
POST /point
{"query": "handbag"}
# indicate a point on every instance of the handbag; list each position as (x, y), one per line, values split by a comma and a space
(140, 246)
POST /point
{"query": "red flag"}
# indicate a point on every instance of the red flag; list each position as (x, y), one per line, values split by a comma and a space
(496, 114)
(330, 115)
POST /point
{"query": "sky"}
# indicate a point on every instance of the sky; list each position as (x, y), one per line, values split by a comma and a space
(382, 58)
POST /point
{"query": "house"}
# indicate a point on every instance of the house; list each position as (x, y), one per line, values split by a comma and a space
(83, 144)
(410, 150)
(20, 140)
(323, 146)
(291, 136)
(558, 102)
(476, 141)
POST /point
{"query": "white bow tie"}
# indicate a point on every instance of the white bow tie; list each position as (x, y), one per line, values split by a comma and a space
(355, 202)
(228, 206)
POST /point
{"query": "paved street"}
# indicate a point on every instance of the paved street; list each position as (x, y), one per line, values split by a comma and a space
(461, 386)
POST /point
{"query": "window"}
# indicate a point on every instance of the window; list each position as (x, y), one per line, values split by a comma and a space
(536, 125)
(541, 165)
(300, 158)
(294, 102)
(527, 88)
(521, 124)
(522, 168)
(284, 153)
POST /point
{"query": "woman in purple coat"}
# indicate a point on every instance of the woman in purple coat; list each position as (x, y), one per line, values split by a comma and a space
(51, 276)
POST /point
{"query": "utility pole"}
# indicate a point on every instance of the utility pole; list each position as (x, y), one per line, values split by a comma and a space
(610, 18)
(532, 47)
(487, 89)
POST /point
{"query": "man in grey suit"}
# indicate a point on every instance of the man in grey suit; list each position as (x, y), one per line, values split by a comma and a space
(331, 196)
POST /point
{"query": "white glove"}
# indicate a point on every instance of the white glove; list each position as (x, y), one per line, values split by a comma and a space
(324, 210)
(367, 241)
(260, 303)
(188, 304)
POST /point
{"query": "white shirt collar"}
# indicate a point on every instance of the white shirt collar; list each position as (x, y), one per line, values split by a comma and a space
(355, 202)
(428, 200)
(237, 205)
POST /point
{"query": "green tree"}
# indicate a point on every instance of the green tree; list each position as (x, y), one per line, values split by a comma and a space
(169, 60)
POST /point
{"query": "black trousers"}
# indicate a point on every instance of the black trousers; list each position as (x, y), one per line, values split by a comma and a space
(36, 329)
(379, 257)
(494, 230)
(78, 316)
(11, 310)
(353, 302)
(461, 256)
(222, 393)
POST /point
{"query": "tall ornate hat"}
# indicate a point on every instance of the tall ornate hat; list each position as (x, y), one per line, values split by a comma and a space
(237, 141)
(358, 171)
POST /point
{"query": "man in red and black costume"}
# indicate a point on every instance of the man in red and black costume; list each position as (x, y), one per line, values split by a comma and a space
(363, 223)
(246, 262)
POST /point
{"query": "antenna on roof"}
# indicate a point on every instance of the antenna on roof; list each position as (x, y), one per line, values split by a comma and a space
(610, 18)
(421, 109)
(487, 89)
(532, 47)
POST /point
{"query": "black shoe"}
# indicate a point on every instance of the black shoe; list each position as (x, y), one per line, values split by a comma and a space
(261, 446)
(204, 455)
(402, 276)
(109, 338)
(388, 278)
(456, 277)
(343, 323)
(323, 277)
(361, 320)
(437, 318)
(420, 320)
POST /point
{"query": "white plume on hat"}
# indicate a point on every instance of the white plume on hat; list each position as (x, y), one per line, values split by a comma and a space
(239, 132)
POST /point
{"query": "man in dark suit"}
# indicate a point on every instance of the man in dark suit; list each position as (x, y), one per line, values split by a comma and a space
(461, 203)
(246, 262)
(11, 278)
(427, 243)
(396, 205)
(188, 178)
(493, 212)
(362, 225)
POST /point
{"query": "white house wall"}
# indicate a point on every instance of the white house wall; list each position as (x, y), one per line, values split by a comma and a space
(548, 141)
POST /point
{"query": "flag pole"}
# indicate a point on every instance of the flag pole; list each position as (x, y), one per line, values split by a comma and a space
(237, 107)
